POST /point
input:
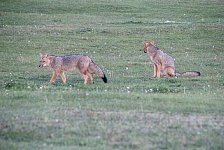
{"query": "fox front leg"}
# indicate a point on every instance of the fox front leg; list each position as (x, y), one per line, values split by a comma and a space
(90, 76)
(54, 77)
(158, 70)
(63, 77)
(154, 70)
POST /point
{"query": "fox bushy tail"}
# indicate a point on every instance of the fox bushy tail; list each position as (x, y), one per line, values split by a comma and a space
(98, 71)
(188, 74)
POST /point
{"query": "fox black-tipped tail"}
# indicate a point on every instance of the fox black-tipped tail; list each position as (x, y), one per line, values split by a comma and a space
(188, 74)
(98, 71)
(104, 78)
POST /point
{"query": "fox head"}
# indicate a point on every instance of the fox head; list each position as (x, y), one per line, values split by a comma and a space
(146, 45)
(45, 59)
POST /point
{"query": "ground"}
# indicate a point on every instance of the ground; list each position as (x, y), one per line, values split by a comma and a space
(133, 110)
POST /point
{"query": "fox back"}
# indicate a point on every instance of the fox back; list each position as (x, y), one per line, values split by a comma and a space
(71, 62)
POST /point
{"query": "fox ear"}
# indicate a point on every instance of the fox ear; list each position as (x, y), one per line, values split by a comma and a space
(152, 43)
(43, 54)
(146, 44)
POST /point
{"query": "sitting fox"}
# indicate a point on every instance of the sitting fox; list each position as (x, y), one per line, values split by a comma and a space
(61, 64)
(164, 63)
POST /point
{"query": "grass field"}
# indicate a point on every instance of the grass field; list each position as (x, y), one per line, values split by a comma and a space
(133, 110)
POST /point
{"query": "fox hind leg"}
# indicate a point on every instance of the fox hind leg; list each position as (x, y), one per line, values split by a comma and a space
(82, 66)
(90, 76)
(170, 72)
(83, 71)
(85, 78)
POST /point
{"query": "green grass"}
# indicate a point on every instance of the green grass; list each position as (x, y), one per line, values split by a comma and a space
(133, 110)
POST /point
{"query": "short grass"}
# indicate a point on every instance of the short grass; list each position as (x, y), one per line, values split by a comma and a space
(133, 110)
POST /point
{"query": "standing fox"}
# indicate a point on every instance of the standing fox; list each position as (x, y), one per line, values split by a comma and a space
(164, 63)
(61, 64)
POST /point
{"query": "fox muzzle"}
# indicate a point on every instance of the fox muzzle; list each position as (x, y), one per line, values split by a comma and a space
(145, 50)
